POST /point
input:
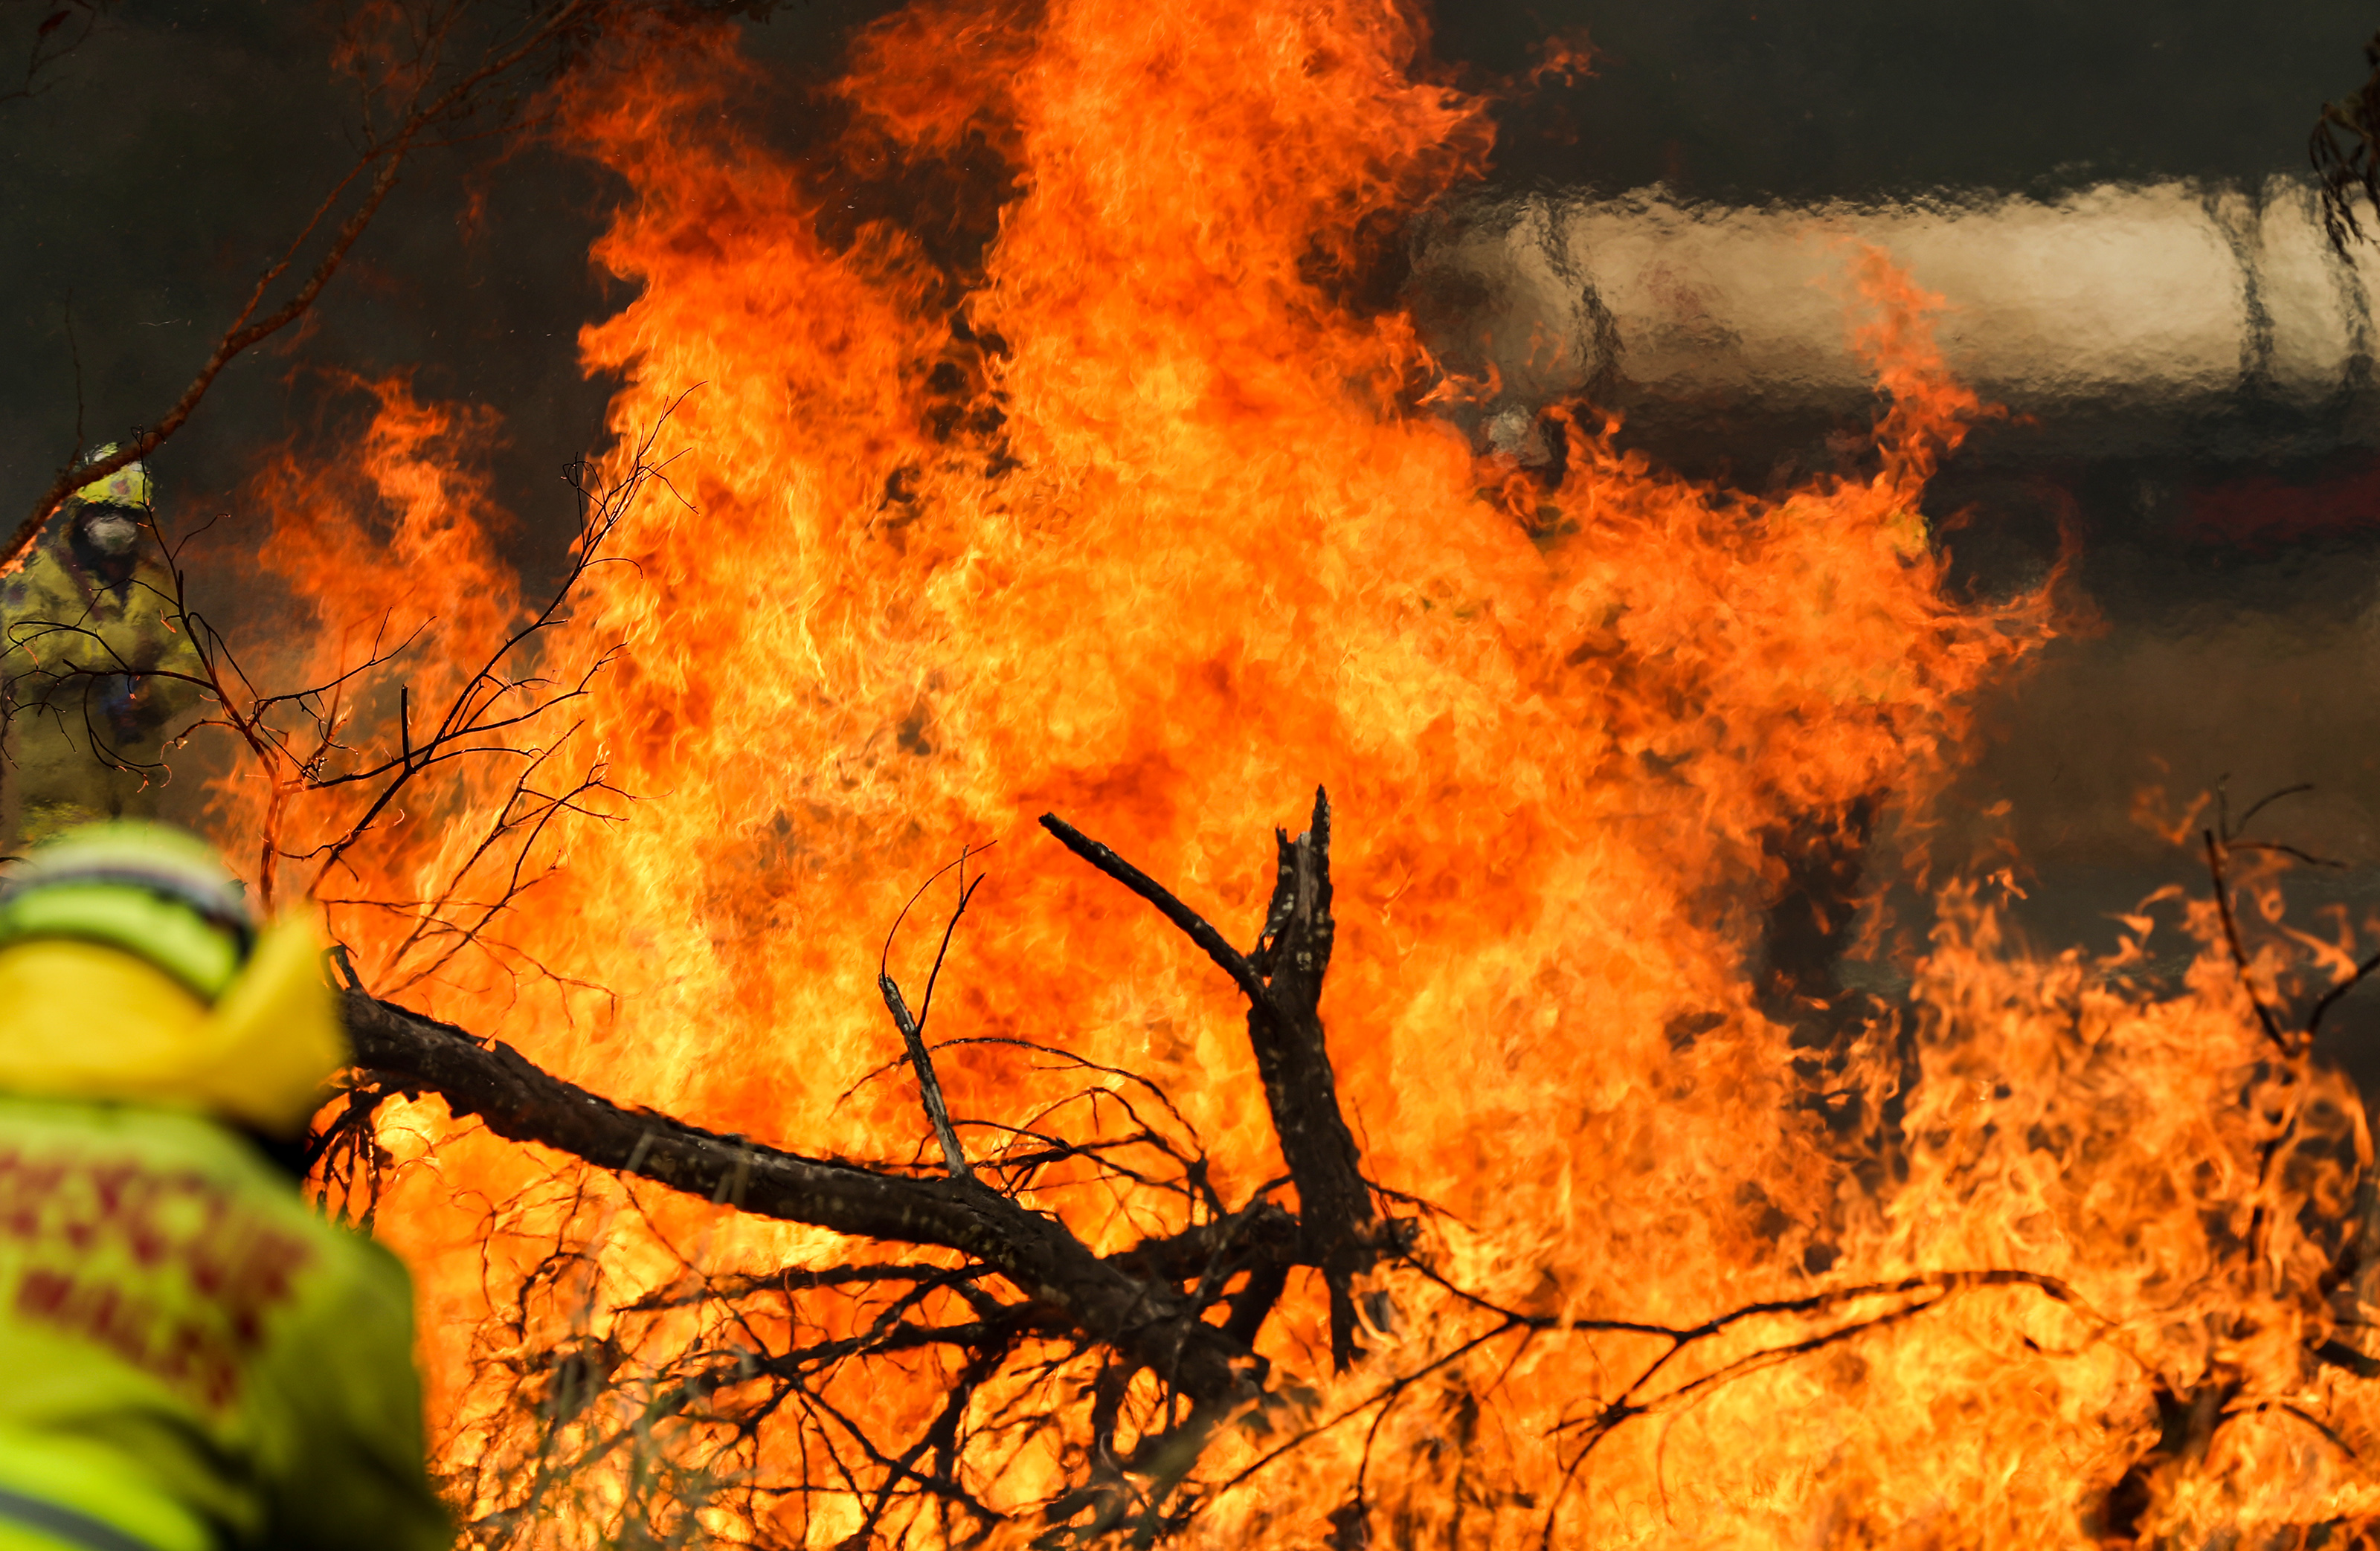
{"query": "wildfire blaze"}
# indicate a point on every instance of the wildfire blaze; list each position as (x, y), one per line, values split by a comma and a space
(1097, 473)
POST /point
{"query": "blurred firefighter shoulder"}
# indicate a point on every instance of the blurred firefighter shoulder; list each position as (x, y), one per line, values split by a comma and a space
(195, 1359)
(94, 667)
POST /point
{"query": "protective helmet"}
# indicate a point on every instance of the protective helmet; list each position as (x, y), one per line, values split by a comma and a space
(128, 486)
(154, 893)
(131, 969)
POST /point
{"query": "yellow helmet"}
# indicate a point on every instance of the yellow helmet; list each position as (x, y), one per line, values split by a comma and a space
(128, 486)
(131, 971)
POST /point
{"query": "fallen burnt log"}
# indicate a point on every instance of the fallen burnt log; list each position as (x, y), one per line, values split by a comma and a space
(1148, 1304)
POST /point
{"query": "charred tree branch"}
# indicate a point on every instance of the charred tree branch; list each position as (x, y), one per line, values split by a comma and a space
(1193, 926)
(1264, 1232)
(2344, 148)
(913, 1025)
(929, 1087)
(1148, 1323)
(2264, 1017)
(1286, 1031)
(1284, 985)
(1186, 1307)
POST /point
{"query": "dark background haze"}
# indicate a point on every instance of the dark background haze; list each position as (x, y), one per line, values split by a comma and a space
(163, 163)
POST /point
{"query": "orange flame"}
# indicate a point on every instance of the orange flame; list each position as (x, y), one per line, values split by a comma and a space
(1124, 506)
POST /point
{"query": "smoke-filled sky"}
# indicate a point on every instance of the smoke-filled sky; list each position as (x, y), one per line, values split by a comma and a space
(162, 163)
(157, 168)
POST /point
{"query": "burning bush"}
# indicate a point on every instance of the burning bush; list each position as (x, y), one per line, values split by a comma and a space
(1040, 449)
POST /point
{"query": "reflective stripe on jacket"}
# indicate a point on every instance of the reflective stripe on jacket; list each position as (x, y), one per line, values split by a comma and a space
(189, 1356)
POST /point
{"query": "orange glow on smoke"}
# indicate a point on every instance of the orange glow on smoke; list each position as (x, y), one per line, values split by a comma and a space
(1163, 535)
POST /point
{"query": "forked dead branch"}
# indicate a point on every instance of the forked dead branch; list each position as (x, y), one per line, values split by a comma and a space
(1149, 1306)
(1018, 1301)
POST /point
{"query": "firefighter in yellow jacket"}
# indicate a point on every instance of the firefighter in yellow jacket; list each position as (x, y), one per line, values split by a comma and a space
(190, 1359)
(94, 666)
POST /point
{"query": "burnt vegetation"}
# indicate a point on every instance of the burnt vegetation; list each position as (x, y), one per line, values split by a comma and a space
(729, 1387)
(1122, 1366)
(954, 1273)
(948, 1273)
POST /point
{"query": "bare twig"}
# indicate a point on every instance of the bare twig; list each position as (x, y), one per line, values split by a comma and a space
(929, 1087)
(1192, 924)
(64, 27)
(913, 1028)
(248, 328)
(2265, 1018)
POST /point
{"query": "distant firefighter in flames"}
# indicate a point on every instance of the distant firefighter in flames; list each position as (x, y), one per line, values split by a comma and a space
(94, 668)
(191, 1358)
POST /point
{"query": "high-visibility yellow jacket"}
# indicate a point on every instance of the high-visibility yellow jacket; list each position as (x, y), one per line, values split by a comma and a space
(68, 640)
(191, 1360)
(62, 622)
